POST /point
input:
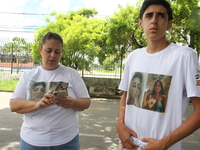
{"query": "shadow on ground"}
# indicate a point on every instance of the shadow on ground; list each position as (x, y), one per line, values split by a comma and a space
(96, 125)
(10, 124)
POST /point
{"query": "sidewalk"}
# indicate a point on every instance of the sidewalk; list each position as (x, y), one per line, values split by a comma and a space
(97, 126)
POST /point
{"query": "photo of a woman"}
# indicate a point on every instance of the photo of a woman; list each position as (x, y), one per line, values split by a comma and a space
(135, 89)
(59, 87)
(38, 90)
(157, 93)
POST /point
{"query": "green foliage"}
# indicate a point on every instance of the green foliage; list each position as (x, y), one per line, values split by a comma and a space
(8, 84)
(87, 12)
(186, 27)
(86, 38)
(80, 37)
(109, 64)
(79, 34)
(17, 45)
(123, 33)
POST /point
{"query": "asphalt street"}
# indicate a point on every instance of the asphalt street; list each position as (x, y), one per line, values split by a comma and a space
(97, 126)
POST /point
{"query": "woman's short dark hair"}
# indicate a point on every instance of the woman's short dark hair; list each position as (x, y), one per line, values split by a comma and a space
(51, 35)
(39, 83)
(164, 3)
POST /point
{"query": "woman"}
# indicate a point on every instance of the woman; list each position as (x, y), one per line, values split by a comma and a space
(135, 89)
(47, 125)
(158, 95)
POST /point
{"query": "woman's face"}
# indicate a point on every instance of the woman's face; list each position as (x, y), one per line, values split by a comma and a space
(51, 53)
(37, 92)
(157, 87)
(135, 88)
(59, 88)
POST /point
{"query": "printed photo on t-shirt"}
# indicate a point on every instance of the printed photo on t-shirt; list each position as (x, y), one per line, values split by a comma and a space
(38, 89)
(149, 91)
(135, 89)
(57, 86)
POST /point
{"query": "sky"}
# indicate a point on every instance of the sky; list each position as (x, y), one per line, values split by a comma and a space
(17, 15)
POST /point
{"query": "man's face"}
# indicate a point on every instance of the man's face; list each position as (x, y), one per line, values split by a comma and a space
(155, 22)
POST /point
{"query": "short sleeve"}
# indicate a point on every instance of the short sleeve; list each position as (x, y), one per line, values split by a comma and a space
(21, 88)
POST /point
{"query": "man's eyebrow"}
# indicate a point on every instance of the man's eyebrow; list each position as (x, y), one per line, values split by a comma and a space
(149, 13)
(160, 13)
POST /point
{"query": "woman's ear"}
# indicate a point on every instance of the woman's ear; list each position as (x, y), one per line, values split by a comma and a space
(140, 24)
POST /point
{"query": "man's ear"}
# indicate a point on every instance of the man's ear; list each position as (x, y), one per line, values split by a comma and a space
(40, 49)
(169, 24)
(140, 24)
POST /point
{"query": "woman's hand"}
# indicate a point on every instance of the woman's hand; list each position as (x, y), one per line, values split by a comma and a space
(45, 101)
(67, 102)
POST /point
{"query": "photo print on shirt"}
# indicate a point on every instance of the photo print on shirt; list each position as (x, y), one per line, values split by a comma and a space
(36, 90)
(57, 86)
(149, 91)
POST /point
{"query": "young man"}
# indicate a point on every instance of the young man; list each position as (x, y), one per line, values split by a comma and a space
(175, 66)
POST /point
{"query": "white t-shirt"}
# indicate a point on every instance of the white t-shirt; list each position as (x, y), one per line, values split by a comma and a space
(52, 125)
(175, 68)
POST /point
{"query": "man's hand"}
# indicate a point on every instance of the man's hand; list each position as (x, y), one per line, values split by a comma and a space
(125, 136)
(153, 144)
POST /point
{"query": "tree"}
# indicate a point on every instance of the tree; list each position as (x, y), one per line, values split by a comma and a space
(87, 12)
(86, 37)
(79, 33)
(80, 40)
(109, 64)
(123, 32)
(186, 27)
(18, 45)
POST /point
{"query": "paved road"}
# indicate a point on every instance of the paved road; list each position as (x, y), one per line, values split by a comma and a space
(97, 126)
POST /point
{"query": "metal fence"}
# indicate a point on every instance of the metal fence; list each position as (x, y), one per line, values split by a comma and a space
(14, 62)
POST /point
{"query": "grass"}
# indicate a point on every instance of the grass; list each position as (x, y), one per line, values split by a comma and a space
(8, 85)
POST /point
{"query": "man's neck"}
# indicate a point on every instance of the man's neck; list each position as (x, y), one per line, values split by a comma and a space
(156, 46)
